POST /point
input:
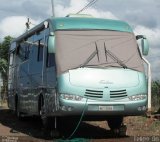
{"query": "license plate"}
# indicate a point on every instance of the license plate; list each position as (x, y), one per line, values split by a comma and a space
(105, 108)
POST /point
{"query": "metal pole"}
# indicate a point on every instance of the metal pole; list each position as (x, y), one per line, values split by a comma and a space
(52, 1)
(149, 83)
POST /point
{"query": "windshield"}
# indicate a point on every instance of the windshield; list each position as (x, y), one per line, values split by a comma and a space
(98, 49)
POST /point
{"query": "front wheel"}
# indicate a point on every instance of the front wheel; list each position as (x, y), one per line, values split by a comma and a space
(49, 123)
(115, 122)
(49, 127)
(117, 127)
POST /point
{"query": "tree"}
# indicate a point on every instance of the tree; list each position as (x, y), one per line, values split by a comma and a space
(156, 95)
(4, 48)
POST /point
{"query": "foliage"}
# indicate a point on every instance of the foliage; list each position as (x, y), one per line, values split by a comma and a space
(156, 95)
(155, 87)
(4, 48)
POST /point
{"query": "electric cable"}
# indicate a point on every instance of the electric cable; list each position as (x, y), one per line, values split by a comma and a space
(87, 6)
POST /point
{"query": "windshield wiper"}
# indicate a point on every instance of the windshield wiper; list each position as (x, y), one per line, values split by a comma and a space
(91, 57)
(97, 51)
(114, 57)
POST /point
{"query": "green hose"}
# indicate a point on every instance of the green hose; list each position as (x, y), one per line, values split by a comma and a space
(79, 120)
(76, 139)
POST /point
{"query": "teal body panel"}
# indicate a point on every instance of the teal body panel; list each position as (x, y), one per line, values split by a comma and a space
(121, 106)
(72, 23)
(138, 86)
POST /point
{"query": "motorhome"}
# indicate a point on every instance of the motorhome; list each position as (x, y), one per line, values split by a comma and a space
(74, 66)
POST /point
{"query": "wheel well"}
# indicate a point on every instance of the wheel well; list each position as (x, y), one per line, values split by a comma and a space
(115, 122)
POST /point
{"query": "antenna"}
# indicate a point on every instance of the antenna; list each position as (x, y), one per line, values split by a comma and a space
(52, 1)
(28, 24)
(87, 6)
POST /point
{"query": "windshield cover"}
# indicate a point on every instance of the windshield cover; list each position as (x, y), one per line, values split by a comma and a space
(98, 49)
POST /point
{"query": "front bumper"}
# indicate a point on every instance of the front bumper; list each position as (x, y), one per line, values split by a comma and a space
(101, 108)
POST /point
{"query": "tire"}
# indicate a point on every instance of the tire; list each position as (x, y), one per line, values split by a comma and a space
(49, 127)
(48, 122)
(68, 125)
(115, 122)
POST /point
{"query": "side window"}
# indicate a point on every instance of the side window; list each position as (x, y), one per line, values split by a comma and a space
(40, 43)
(26, 52)
(50, 59)
(23, 50)
(50, 52)
(40, 49)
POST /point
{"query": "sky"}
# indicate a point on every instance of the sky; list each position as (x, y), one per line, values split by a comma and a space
(142, 15)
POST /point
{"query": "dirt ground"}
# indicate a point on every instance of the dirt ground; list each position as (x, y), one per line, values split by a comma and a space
(139, 129)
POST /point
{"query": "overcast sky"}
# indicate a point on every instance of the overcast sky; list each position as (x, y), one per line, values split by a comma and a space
(142, 15)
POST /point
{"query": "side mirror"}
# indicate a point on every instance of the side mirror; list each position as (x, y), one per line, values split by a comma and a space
(51, 44)
(144, 44)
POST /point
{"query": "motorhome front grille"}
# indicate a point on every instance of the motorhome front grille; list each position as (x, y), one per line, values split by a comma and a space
(118, 94)
(94, 93)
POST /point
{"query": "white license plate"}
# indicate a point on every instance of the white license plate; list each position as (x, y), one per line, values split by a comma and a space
(105, 108)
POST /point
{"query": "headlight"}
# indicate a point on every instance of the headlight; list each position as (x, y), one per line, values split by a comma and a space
(137, 97)
(71, 97)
